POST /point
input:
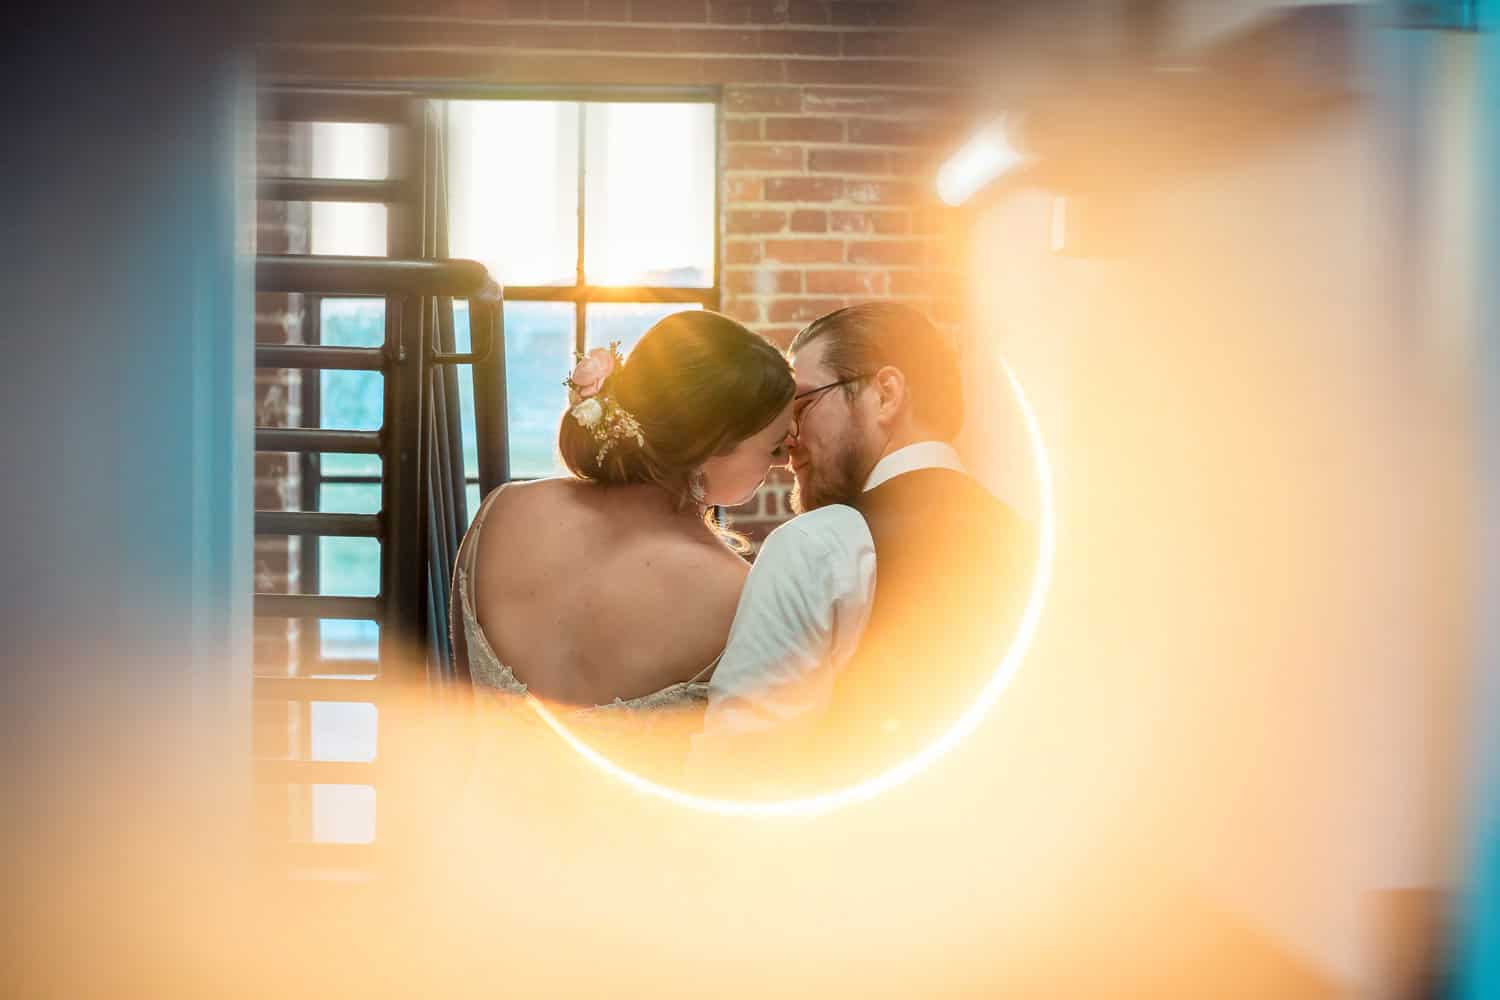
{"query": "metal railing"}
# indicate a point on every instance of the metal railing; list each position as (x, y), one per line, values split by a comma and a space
(423, 512)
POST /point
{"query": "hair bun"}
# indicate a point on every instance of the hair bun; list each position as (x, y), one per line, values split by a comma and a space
(696, 382)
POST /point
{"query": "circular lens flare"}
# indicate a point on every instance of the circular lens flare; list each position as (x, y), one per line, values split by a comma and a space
(1041, 583)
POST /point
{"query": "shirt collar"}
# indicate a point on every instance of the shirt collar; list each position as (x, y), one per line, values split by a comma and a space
(922, 455)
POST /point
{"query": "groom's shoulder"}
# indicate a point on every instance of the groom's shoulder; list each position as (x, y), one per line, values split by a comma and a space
(833, 527)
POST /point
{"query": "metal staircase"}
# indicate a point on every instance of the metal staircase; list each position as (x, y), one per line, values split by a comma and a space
(422, 503)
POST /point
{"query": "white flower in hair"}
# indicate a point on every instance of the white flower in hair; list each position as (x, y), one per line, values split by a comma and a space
(589, 412)
(596, 409)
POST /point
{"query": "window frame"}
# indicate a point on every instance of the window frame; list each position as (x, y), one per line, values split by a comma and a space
(581, 293)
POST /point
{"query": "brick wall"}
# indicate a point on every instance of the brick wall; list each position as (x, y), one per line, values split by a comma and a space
(835, 117)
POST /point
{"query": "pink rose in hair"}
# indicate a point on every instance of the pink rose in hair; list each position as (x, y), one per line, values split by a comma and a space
(589, 375)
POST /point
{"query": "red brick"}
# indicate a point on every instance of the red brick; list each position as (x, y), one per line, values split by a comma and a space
(803, 188)
(743, 70)
(742, 251)
(744, 129)
(847, 282)
(718, 41)
(762, 281)
(611, 69)
(489, 66)
(804, 130)
(915, 164)
(895, 253)
(744, 310)
(763, 99)
(809, 221)
(272, 558)
(781, 336)
(893, 223)
(389, 33)
(863, 101)
(748, 223)
(742, 12)
(802, 310)
(743, 156)
(877, 72)
(912, 283)
(272, 643)
(805, 251)
(943, 284)
(848, 161)
(880, 192)
(880, 132)
(902, 44)
(276, 465)
(799, 43)
(609, 10)
(877, 13)
(743, 189)
(628, 40)
(807, 12)
(457, 34)
(278, 237)
(671, 11)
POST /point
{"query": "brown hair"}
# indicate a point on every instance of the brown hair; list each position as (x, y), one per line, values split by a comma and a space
(698, 383)
(864, 338)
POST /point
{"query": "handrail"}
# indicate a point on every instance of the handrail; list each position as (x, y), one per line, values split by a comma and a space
(375, 276)
(318, 439)
(317, 606)
(347, 189)
(484, 313)
(370, 359)
(317, 523)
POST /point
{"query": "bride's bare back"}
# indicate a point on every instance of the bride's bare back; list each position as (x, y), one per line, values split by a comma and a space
(590, 593)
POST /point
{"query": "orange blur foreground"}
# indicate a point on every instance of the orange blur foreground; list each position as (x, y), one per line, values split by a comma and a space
(506, 865)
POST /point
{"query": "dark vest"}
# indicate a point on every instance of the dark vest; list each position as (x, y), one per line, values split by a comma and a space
(952, 573)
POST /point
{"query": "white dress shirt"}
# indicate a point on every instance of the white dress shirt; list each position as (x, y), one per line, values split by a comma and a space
(803, 610)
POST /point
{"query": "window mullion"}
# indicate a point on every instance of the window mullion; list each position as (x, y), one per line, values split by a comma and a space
(578, 270)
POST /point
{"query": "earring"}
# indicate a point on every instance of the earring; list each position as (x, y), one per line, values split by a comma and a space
(698, 487)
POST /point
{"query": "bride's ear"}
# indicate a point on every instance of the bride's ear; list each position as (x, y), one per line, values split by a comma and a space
(890, 393)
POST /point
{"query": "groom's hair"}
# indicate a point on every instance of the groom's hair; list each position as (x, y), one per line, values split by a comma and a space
(864, 338)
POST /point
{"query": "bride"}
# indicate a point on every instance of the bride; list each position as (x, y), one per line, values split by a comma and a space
(614, 587)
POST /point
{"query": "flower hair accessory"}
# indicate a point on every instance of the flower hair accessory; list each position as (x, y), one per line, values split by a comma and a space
(594, 409)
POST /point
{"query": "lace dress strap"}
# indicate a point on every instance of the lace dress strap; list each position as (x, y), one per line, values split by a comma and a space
(470, 554)
(484, 666)
(703, 674)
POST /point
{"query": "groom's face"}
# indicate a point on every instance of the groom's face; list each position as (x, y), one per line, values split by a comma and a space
(829, 450)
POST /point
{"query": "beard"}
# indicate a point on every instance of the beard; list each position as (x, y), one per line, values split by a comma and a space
(840, 479)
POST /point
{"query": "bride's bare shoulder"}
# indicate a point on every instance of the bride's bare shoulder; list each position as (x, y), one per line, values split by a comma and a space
(526, 499)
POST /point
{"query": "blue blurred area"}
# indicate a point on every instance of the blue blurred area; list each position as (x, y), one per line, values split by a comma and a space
(538, 356)
(1478, 962)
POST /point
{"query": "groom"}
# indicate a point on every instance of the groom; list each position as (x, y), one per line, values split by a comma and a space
(870, 621)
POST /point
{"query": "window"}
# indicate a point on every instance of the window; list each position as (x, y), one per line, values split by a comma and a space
(598, 219)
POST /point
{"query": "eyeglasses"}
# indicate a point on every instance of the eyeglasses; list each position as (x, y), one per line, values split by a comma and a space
(799, 412)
